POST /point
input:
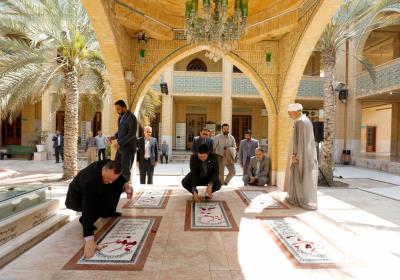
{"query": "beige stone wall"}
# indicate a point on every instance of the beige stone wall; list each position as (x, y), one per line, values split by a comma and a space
(211, 65)
(381, 117)
(30, 120)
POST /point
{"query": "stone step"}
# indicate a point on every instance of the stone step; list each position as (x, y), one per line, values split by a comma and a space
(13, 226)
(30, 238)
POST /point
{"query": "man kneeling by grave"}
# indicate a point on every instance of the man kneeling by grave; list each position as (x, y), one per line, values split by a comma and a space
(203, 172)
(95, 191)
(257, 173)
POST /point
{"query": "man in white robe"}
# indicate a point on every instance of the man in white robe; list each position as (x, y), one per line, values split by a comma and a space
(303, 173)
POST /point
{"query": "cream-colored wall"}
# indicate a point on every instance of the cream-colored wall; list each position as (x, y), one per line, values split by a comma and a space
(259, 124)
(212, 108)
(30, 121)
(211, 65)
(381, 117)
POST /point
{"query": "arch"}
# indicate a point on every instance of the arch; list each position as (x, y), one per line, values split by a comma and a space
(360, 42)
(196, 65)
(187, 50)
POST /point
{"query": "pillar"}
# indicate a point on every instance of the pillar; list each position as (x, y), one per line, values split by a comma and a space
(226, 103)
(353, 120)
(48, 121)
(394, 136)
(167, 108)
(107, 117)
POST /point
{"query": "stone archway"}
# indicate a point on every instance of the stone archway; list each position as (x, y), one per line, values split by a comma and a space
(266, 94)
(313, 26)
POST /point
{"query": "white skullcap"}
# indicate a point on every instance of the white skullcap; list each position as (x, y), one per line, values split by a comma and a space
(295, 107)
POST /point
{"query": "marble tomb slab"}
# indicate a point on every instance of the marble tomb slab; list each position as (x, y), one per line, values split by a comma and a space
(302, 245)
(125, 244)
(260, 199)
(149, 199)
(209, 216)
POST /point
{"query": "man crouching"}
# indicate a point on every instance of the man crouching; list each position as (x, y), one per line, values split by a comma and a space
(203, 172)
(95, 191)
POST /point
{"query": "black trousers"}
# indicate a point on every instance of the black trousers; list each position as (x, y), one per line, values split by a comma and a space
(59, 150)
(146, 169)
(101, 152)
(201, 181)
(162, 156)
(126, 157)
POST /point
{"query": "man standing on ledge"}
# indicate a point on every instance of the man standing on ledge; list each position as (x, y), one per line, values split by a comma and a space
(95, 191)
(224, 147)
(303, 174)
(126, 139)
(203, 172)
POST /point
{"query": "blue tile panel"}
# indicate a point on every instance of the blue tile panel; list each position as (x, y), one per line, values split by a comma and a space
(243, 86)
(311, 87)
(387, 76)
(199, 84)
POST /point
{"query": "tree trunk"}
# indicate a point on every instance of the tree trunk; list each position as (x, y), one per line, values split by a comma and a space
(71, 124)
(329, 61)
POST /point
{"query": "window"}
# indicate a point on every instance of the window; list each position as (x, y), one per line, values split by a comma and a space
(371, 139)
(236, 70)
(197, 65)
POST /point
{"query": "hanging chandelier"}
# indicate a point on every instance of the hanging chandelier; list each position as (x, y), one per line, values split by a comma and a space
(220, 32)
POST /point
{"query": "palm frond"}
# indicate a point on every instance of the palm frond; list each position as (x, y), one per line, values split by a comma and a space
(148, 108)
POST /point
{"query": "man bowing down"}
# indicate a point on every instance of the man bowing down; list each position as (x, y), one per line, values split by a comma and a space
(303, 173)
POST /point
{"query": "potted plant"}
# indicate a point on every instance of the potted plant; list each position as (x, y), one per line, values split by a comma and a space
(41, 137)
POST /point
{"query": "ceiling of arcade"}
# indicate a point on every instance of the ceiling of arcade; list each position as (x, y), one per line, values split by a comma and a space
(162, 20)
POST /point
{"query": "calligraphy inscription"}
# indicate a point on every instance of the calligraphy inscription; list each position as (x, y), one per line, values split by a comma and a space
(303, 243)
(122, 243)
(13, 229)
(209, 214)
(149, 199)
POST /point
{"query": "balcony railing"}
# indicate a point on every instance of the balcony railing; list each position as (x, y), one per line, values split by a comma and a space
(387, 78)
(311, 86)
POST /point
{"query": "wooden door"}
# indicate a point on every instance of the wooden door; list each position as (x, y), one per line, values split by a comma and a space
(11, 133)
(194, 122)
(371, 139)
(96, 126)
(239, 126)
(60, 117)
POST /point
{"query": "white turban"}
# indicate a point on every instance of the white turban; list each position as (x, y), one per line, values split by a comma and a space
(295, 107)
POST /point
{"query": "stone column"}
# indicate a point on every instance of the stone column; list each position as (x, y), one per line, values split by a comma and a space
(167, 111)
(48, 121)
(394, 136)
(353, 127)
(226, 103)
(107, 117)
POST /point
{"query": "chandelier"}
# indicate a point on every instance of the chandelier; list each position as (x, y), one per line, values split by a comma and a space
(216, 29)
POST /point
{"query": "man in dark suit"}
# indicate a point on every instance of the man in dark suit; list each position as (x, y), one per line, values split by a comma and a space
(126, 138)
(203, 172)
(247, 150)
(95, 191)
(147, 155)
(258, 170)
(58, 145)
(202, 139)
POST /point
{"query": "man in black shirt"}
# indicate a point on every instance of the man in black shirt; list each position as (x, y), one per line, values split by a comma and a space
(95, 191)
(203, 172)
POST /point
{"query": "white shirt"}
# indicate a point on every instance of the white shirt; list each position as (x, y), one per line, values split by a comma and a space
(146, 148)
(258, 168)
(58, 140)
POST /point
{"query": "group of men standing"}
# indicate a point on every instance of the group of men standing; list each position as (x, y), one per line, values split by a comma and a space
(96, 190)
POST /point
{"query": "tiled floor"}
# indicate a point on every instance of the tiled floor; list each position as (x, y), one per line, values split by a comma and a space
(364, 225)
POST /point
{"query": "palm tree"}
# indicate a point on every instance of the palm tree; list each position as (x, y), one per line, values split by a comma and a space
(49, 45)
(151, 101)
(353, 19)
